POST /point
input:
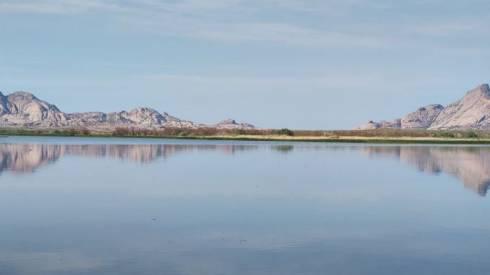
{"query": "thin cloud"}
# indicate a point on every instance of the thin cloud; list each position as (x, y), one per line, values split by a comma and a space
(274, 83)
(57, 6)
(188, 19)
(289, 34)
(236, 21)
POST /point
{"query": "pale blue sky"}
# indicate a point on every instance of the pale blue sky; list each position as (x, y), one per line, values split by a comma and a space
(274, 63)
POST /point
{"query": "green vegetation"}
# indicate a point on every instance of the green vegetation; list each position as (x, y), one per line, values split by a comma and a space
(284, 132)
(44, 132)
(371, 136)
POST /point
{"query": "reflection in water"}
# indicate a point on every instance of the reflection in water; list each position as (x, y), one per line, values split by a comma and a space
(471, 165)
(279, 209)
(283, 148)
(26, 158)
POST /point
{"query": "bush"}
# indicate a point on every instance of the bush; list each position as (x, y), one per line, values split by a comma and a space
(471, 134)
(444, 134)
(120, 132)
(285, 132)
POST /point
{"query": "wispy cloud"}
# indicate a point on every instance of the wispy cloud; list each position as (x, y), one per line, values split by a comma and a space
(182, 6)
(57, 6)
(191, 18)
(239, 21)
(288, 34)
(237, 83)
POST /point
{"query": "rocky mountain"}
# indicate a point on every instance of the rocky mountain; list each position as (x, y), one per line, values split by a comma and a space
(370, 125)
(422, 118)
(471, 112)
(23, 109)
(233, 124)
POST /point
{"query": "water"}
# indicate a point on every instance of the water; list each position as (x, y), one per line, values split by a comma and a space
(137, 206)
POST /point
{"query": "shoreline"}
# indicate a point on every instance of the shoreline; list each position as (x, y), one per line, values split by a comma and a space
(279, 138)
(344, 139)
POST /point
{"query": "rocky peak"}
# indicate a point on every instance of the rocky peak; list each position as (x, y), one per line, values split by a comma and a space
(3, 104)
(475, 95)
(482, 90)
(486, 88)
(23, 108)
(233, 124)
(471, 112)
(228, 121)
(422, 118)
(145, 116)
(146, 110)
(370, 125)
(21, 95)
(25, 100)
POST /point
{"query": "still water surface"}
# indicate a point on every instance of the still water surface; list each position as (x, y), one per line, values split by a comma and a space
(136, 206)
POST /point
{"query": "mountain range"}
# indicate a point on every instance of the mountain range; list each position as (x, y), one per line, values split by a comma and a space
(470, 112)
(23, 109)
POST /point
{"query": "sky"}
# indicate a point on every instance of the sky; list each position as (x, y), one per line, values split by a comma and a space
(302, 64)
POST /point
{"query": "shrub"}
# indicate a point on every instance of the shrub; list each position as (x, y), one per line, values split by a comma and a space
(120, 132)
(444, 134)
(285, 132)
(471, 134)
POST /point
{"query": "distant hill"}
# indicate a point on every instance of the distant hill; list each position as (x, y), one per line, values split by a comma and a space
(23, 109)
(471, 112)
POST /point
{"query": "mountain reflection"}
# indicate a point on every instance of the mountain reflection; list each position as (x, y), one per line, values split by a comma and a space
(26, 158)
(471, 165)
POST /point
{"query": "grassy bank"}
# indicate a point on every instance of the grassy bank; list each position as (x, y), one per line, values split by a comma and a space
(366, 136)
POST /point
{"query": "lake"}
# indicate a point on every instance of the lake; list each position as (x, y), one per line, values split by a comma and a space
(150, 206)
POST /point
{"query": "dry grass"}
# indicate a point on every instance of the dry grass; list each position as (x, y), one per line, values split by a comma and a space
(379, 135)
